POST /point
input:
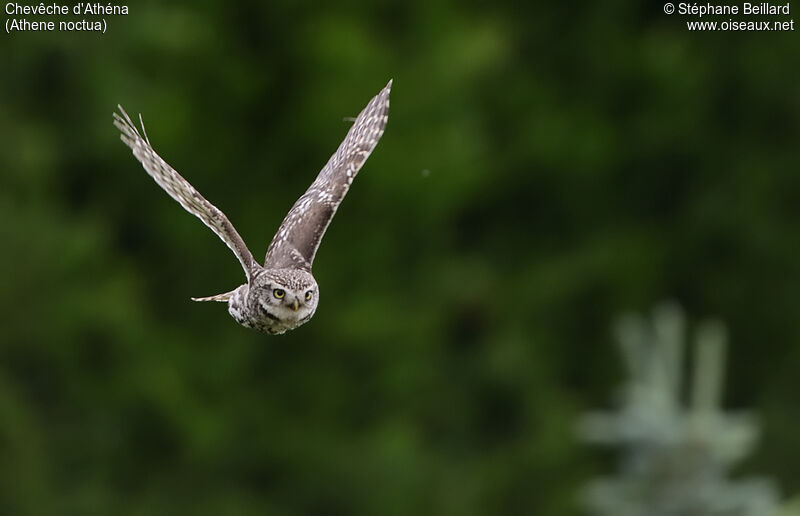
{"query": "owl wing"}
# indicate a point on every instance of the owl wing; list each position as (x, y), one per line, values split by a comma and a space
(298, 238)
(179, 189)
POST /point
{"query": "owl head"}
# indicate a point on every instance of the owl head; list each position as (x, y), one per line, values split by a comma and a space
(284, 298)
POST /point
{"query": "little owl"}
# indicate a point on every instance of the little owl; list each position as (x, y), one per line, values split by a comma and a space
(282, 294)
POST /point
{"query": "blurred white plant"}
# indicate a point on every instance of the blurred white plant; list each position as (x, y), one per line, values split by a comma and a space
(676, 455)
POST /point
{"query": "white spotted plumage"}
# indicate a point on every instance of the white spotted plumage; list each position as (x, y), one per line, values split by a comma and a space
(282, 294)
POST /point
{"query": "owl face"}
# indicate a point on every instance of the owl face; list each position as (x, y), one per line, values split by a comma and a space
(282, 299)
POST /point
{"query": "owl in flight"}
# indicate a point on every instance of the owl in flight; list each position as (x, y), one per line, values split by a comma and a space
(282, 294)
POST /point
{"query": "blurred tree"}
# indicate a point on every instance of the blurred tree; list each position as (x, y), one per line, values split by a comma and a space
(676, 458)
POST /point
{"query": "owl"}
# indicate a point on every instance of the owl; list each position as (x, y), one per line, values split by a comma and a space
(282, 294)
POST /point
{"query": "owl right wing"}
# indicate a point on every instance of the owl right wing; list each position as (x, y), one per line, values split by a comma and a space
(179, 189)
(298, 238)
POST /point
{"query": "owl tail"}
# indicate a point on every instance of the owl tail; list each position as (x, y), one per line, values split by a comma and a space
(222, 298)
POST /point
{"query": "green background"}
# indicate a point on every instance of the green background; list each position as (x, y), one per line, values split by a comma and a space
(546, 167)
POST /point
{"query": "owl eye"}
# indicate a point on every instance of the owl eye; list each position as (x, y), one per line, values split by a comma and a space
(279, 293)
(308, 295)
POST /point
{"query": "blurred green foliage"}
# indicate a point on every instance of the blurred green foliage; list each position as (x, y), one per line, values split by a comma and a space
(545, 167)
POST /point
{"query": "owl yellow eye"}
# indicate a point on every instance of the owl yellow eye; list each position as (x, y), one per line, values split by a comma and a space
(279, 293)
(308, 295)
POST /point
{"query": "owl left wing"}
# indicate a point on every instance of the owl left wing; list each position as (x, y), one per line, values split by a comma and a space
(298, 238)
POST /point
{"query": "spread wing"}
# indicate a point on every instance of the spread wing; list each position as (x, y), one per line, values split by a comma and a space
(300, 233)
(179, 189)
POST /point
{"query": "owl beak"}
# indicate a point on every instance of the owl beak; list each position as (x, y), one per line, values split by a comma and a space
(295, 305)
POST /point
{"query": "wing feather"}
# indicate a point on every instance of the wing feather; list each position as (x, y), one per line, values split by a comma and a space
(298, 238)
(179, 189)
